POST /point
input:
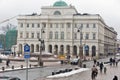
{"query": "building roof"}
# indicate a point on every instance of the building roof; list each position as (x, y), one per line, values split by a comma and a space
(60, 3)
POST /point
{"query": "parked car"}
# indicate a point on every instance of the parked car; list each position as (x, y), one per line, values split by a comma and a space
(6, 52)
(74, 61)
(9, 78)
(117, 56)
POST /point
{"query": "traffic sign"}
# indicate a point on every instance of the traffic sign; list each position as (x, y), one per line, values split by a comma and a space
(26, 55)
(26, 48)
(26, 51)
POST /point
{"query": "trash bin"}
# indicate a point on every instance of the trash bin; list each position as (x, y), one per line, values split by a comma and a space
(0, 60)
(84, 65)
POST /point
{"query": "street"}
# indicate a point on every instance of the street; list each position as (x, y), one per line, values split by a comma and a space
(43, 72)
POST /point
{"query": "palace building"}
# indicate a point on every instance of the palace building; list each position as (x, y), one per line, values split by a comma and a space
(65, 31)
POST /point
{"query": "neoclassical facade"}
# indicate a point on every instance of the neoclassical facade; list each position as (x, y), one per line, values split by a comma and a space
(60, 23)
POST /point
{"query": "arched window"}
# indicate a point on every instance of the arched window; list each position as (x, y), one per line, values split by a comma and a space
(57, 13)
(56, 35)
(50, 35)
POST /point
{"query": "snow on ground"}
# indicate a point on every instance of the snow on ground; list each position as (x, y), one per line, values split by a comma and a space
(3, 56)
(68, 73)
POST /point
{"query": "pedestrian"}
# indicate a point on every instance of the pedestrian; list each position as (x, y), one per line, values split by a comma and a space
(95, 61)
(111, 60)
(94, 72)
(105, 69)
(7, 62)
(115, 78)
(101, 67)
(116, 61)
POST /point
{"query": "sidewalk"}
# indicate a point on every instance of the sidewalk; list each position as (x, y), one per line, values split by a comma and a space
(19, 65)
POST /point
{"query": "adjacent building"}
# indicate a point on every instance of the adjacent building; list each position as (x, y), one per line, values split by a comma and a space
(60, 24)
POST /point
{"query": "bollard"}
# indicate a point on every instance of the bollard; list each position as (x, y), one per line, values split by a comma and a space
(21, 66)
(12, 67)
(53, 73)
(30, 65)
(3, 68)
(84, 65)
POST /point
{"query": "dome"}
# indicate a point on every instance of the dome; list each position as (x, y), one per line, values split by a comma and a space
(60, 3)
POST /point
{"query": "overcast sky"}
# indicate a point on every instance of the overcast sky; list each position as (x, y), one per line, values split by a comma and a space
(108, 9)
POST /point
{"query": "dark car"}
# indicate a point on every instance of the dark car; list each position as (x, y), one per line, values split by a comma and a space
(6, 52)
(9, 78)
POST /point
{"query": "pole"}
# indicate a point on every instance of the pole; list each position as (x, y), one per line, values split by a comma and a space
(26, 69)
(81, 51)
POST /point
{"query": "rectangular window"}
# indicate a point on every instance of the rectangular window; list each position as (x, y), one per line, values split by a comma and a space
(32, 25)
(87, 36)
(21, 25)
(50, 35)
(38, 35)
(94, 25)
(62, 25)
(94, 36)
(27, 25)
(75, 25)
(68, 25)
(51, 25)
(75, 36)
(56, 35)
(81, 36)
(21, 34)
(32, 35)
(27, 35)
(56, 25)
(44, 25)
(87, 25)
(38, 25)
(62, 35)
(81, 26)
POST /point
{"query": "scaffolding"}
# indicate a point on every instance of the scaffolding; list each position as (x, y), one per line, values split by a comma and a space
(11, 39)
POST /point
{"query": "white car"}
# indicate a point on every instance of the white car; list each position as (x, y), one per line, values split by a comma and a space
(117, 56)
(74, 61)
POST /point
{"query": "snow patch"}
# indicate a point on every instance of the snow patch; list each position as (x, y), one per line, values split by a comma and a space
(68, 73)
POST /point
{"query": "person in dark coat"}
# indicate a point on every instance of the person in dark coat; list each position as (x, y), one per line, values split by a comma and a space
(95, 61)
(115, 78)
(7, 62)
(101, 66)
(111, 60)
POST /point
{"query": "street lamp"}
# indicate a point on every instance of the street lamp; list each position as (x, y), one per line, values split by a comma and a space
(81, 48)
(40, 62)
(42, 47)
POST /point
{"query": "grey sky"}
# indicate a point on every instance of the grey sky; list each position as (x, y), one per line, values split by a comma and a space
(108, 9)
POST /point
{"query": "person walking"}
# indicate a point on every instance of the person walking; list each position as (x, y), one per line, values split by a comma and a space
(94, 72)
(105, 69)
(95, 61)
(111, 60)
(7, 62)
(116, 61)
(101, 67)
(115, 78)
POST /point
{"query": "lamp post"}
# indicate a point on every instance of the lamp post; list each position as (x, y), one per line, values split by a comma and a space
(81, 48)
(42, 47)
(14, 51)
(40, 62)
